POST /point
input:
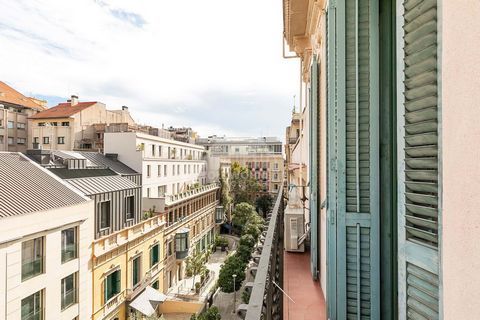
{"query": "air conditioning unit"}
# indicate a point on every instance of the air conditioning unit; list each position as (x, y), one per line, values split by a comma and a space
(294, 229)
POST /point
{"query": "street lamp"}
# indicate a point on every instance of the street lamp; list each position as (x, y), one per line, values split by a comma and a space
(234, 292)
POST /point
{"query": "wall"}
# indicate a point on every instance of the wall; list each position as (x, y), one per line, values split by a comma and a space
(180, 306)
(125, 145)
(460, 136)
(135, 242)
(14, 230)
(52, 133)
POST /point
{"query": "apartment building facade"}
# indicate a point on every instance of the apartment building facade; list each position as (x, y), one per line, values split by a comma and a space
(123, 264)
(391, 136)
(262, 156)
(167, 166)
(45, 240)
(190, 225)
(15, 108)
(73, 125)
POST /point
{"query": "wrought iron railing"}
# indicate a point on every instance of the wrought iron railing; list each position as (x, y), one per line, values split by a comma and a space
(266, 299)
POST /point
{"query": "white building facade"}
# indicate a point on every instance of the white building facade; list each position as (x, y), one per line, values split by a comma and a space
(168, 166)
(45, 240)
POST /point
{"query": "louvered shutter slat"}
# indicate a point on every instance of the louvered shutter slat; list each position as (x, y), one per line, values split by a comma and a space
(421, 154)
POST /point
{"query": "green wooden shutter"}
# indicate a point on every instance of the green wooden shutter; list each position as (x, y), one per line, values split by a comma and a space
(420, 197)
(356, 172)
(313, 167)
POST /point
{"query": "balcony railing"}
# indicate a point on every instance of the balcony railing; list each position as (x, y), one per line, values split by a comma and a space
(69, 252)
(266, 300)
(34, 315)
(110, 305)
(114, 240)
(32, 268)
(145, 282)
(172, 199)
(69, 299)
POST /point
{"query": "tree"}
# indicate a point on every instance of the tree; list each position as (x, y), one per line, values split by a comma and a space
(247, 240)
(232, 265)
(212, 313)
(225, 197)
(264, 203)
(252, 229)
(244, 253)
(195, 264)
(242, 213)
(243, 185)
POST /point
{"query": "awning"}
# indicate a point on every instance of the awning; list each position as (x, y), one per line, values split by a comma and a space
(148, 301)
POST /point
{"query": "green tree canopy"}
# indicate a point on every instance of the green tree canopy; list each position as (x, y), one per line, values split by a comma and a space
(242, 213)
(247, 240)
(195, 264)
(243, 184)
(233, 265)
(264, 203)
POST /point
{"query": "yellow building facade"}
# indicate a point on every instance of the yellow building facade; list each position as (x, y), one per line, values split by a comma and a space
(124, 265)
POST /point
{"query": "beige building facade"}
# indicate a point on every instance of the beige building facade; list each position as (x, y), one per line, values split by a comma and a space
(262, 156)
(15, 108)
(45, 244)
(73, 125)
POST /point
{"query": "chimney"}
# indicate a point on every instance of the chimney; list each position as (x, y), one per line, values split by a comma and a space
(73, 100)
(124, 108)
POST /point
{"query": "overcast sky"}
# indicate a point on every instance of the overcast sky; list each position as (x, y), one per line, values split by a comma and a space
(214, 65)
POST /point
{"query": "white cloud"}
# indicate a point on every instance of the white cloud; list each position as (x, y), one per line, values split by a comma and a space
(166, 60)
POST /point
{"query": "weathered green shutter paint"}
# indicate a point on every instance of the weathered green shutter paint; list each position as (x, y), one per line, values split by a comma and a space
(420, 197)
(313, 168)
(355, 174)
(331, 201)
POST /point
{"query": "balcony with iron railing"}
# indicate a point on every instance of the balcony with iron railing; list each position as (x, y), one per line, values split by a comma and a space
(266, 299)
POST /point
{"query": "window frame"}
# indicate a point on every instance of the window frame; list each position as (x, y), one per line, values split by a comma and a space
(64, 244)
(38, 254)
(40, 303)
(138, 273)
(100, 209)
(63, 304)
(129, 204)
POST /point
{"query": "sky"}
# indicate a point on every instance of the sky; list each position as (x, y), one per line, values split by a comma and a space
(213, 65)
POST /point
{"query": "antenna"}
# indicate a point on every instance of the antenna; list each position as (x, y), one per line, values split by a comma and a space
(294, 103)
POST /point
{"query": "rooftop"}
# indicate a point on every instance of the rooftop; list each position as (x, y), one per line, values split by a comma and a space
(101, 160)
(10, 95)
(238, 140)
(27, 187)
(63, 110)
(96, 185)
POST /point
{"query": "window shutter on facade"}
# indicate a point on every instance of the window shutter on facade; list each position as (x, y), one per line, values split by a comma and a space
(313, 125)
(354, 175)
(419, 203)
